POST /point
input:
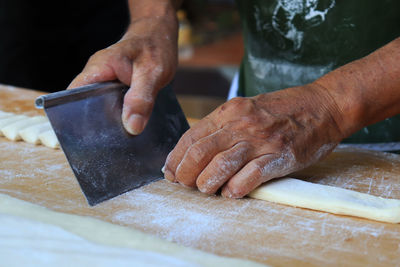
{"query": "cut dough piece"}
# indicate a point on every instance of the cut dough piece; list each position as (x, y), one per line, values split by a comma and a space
(10, 120)
(298, 193)
(31, 134)
(51, 238)
(33, 130)
(49, 139)
(11, 131)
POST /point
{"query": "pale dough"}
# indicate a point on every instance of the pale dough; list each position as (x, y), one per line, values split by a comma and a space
(34, 130)
(49, 139)
(298, 193)
(31, 134)
(10, 120)
(12, 130)
(5, 114)
(31, 235)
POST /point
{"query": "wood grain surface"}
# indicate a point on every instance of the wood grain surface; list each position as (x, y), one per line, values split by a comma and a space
(257, 230)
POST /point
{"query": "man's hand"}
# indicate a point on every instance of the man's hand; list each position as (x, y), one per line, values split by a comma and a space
(248, 141)
(145, 59)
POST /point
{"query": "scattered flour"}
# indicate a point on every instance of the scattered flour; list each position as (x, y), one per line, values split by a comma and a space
(260, 230)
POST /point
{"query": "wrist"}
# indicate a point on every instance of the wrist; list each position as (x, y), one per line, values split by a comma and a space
(326, 110)
(162, 20)
(338, 108)
(158, 27)
(153, 9)
(366, 90)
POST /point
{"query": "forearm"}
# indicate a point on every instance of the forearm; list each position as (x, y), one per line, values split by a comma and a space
(366, 90)
(150, 8)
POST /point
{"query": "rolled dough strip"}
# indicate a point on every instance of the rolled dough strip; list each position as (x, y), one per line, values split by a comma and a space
(52, 246)
(49, 139)
(10, 120)
(5, 114)
(11, 131)
(298, 193)
(31, 134)
(40, 237)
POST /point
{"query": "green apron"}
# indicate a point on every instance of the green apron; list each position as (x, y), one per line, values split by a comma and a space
(293, 42)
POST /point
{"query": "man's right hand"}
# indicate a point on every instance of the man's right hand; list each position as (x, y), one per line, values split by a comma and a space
(144, 59)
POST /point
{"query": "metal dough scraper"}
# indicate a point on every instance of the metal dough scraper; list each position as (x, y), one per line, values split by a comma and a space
(106, 160)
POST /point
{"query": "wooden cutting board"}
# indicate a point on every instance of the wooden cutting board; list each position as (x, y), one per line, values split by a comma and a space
(257, 230)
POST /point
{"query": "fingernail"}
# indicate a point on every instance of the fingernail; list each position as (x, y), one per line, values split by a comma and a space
(226, 193)
(202, 189)
(184, 185)
(163, 169)
(135, 124)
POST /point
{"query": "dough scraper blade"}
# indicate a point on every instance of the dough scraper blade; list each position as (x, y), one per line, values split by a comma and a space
(106, 160)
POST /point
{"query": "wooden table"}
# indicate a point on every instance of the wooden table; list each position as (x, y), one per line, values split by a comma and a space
(257, 230)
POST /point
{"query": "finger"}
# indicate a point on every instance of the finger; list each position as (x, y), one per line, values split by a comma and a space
(147, 79)
(222, 167)
(256, 172)
(199, 155)
(93, 74)
(106, 65)
(202, 129)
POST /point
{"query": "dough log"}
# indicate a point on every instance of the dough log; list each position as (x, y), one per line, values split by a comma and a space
(298, 193)
(60, 239)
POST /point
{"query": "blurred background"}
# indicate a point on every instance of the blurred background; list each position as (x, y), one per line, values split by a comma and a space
(45, 44)
(210, 52)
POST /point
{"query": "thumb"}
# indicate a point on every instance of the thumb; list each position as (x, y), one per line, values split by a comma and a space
(93, 74)
(139, 101)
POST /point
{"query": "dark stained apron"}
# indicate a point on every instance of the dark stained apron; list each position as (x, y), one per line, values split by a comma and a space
(293, 42)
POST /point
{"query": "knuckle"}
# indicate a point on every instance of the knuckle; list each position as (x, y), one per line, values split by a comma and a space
(221, 159)
(139, 99)
(99, 54)
(196, 153)
(236, 100)
(244, 146)
(238, 106)
(185, 142)
(187, 138)
(226, 162)
(169, 162)
(257, 170)
(155, 73)
(157, 70)
(141, 93)
(130, 46)
(242, 103)
(232, 104)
